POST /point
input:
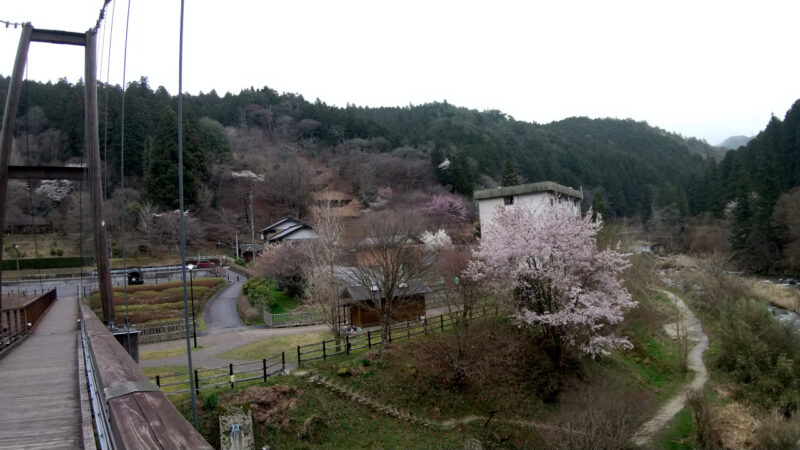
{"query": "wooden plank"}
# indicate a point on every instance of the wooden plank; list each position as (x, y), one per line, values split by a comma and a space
(46, 173)
(139, 419)
(58, 37)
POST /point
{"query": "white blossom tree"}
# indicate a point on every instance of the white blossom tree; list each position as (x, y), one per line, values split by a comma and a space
(559, 280)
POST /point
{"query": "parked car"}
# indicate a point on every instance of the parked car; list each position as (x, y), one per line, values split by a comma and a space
(135, 276)
(350, 330)
(203, 264)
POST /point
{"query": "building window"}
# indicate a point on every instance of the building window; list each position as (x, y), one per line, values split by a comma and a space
(508, 200)
(551, 202)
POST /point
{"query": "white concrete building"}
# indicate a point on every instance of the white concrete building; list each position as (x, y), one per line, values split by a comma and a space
(534, 196)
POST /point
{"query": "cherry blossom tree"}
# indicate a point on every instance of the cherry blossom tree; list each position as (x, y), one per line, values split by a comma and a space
(558, 278)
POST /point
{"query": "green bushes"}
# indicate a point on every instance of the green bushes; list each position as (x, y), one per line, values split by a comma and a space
(259, 292)
(47, 263)
(761, 354)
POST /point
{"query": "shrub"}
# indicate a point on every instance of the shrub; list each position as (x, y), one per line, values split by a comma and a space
(259, 292)
(761, 354)
(709, 434)
(211, 402)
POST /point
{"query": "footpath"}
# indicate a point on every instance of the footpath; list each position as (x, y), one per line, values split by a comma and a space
(695, 364)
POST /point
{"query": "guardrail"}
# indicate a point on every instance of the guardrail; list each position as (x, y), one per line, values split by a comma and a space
(292, 319)
(399, 332)
(223, 375)
(139, 415)
(164, 331)
(16, 321)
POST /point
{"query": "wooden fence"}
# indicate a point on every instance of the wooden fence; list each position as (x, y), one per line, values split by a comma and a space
(399, 332)
(164, 331)
(292, 319)
(224, 375)
(16, 321)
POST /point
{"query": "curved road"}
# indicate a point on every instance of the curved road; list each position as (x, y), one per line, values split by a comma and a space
(220, 312)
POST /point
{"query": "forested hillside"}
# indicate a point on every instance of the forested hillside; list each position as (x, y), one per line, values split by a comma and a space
(627, 162)
(754, 189)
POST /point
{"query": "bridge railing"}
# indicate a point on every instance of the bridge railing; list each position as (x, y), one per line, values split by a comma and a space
(17, 320)
(138, 415)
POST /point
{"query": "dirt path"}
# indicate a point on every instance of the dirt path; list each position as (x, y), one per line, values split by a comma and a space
(695, 364)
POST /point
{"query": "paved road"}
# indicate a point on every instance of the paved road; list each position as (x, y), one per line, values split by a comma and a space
(41, 405)
(220, 312)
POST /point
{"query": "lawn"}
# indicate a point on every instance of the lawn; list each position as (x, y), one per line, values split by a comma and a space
(158, 302)
(267, 347)
(283, 302)
(168, 353)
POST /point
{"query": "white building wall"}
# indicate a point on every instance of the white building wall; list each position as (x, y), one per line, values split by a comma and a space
(301, 234)
(537, 201)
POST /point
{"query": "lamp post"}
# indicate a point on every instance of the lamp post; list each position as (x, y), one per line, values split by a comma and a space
(19, 279)
(191, 287)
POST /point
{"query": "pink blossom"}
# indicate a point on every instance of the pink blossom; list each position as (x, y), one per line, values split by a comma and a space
(560, 280)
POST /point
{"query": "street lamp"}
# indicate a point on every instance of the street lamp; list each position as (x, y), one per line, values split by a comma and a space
(19, 279)
(191, 286)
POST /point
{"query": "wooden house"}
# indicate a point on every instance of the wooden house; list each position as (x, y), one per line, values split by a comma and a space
(358, 303)
(533, 196)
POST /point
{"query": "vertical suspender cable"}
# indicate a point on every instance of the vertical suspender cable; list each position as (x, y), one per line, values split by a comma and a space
(183, 222)
(108, 70)
(122, 184)
(30, 183)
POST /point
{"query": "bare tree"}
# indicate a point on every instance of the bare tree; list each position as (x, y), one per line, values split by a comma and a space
(146, 222)
(389, 267)
(322, 286)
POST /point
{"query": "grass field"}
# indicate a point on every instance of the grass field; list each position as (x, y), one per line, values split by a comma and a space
(274, 345)
(158, 302)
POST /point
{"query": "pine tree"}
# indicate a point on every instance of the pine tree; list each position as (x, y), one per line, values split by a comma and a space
(161, 183)
(598, 206)
(510, 177)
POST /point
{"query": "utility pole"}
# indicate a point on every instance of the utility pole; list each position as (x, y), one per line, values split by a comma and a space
(252, 225)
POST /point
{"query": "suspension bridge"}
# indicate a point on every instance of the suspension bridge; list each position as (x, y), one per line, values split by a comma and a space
(65, 379)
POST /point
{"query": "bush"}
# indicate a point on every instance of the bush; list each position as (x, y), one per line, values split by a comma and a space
(211, 402)
(47, 263)
(259, 292)
(761, 354)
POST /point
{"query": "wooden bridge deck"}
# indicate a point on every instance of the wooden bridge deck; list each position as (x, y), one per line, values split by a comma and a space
(40, 404)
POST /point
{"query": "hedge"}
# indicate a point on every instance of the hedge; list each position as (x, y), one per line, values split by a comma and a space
(47, 263)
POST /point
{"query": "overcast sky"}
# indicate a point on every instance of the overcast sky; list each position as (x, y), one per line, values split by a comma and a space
(709, 69)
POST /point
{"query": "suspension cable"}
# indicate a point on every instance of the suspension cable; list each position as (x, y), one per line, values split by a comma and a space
(108, 70)
(183, 222)
(122, 173)
(101, 16)
(30, 182)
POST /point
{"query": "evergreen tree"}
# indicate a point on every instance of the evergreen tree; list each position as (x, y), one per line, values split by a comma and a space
(510, 177)
(598, 206)
(161, 183)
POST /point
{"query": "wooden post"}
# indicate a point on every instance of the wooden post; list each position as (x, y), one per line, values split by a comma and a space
(324, 354)
(264, 362)
(230, 366)
(96, 176)
(408, 330)
(347, 344)
(196, 383)
(299, 361)
(158, 380)
(441, 321)
(7, 134)
(283, 361)
(369, 339)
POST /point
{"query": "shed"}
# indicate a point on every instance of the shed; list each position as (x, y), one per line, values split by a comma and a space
(358, 304)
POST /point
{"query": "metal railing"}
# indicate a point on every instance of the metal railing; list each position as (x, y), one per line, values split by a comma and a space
(99, 411)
